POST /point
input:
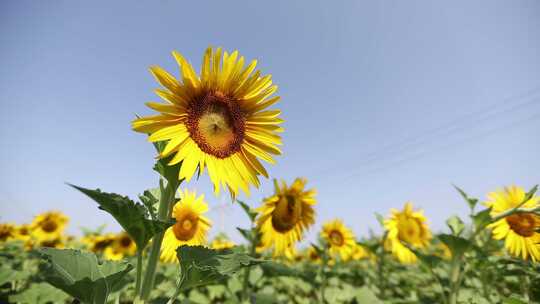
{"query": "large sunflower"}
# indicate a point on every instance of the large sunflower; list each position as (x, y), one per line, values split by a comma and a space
(285, 216)
(216, 120)
(520, 231)
(340, 239)
(49, 226)
(191, 225)
(406, 227)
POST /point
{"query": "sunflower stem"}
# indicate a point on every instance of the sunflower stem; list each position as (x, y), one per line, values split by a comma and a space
(380, 268)
(165, 202)
(252, 251)
(322, 273)
(455, 275)
(139, 271)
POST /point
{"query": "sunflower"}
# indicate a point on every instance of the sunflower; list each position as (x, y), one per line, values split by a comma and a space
(406, 227)
(7, 232)
(359, 253)
(313, 255)
(191, 225)
(58, 242)
(221, 242)
(340, 239)
(520, 231)
(216, 120)
(49, 226)
(23, 232)
(284, 217)
(98, 243)
(120, 246)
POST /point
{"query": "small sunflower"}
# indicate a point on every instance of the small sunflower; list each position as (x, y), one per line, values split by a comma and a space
(122, 245)
(406, 227)
(23, 232)
(216, 120)
(58, 242)
(49, 225)
(359, 253)
(520, 231)
(7, 232)
(285, 216)
(221, 242)
(191, 225)
(313, 255)
(340, 239)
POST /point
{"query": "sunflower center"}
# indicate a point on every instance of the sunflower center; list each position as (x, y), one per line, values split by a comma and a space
(125, 241)
(185, 227)
(215, 122)
(410, 230)
(49, 226)
(336, 238)
(523, 224)
(287, 213)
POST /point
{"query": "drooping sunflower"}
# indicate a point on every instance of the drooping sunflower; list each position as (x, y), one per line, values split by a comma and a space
(520, 231)
(7, 232)
(340, 239)
(122, 245)
(406, 227)
(221, 242)
(191, 225)
(216, 120)
(285, 216)
(49, 226)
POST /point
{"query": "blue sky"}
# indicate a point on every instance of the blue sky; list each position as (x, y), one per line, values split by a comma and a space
(384, 101)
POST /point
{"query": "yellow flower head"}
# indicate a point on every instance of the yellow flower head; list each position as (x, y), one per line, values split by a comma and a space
(49, 225)
(216, 120)
(122, 245)
(7, 232)
(520, 231)
(312, 255)
(58, 242)
(23, 232)
(340, 239)
(221, 242)
(359, 253)
(191, 225)
(406, 227)
(98, 243)
(284, 217)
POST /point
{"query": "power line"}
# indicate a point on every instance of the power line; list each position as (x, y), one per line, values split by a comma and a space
(446, 129)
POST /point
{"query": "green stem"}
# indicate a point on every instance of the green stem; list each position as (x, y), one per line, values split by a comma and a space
(455, 274)
(322, 274)
(139, 272)
(165, 202)
(247, 271)
(380, 270)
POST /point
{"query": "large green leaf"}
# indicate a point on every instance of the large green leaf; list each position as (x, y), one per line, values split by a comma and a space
(130, 215)
(202, 266)
(481, 219)
(80, 274)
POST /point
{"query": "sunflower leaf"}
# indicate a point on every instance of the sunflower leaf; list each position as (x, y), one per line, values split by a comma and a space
(482, 219)
(170, 173)
(457, 245)
(455, 224)
(470, 200)
(80, 274)
(130, 215)
(201, 266)
(250, 212)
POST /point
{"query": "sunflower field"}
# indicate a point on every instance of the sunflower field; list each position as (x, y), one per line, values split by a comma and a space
(219, 121)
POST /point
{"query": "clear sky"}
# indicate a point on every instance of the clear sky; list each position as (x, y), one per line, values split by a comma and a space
(384, 101)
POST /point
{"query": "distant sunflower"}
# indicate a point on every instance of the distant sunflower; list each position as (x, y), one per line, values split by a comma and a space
(221, 242)
(122, 245)
(359, 253)
(23, 232)
(191, 225)
(520, 231)
(58, 242)
(406, 227)
(216, 120)
(98, 243)
(49, 225)
(7, 232)
(340, 239)
(313, 255)
(285, 216)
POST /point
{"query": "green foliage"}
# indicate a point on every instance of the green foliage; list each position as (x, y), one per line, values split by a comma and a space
(456, 225)
(39, 293)
(457, 245)
(201, 266)
(80, 274)
(249, 212)
(130, 215)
